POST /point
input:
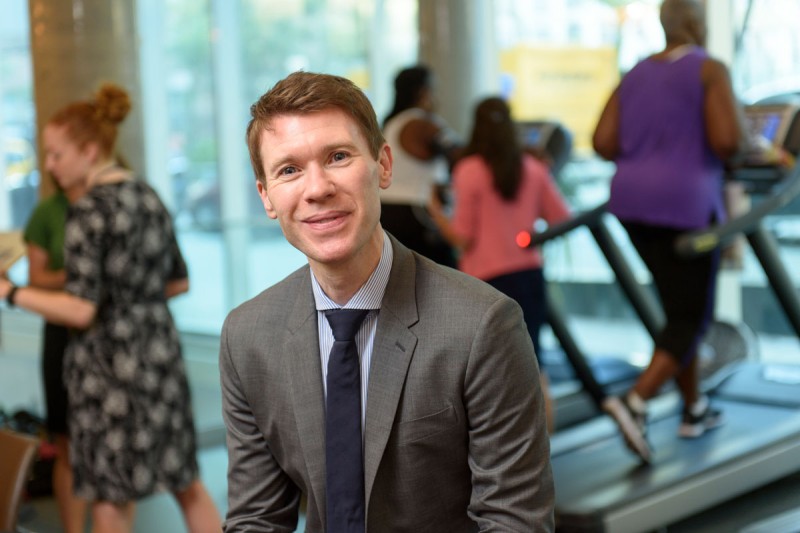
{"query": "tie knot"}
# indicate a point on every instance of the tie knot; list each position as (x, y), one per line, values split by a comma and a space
(345, 322)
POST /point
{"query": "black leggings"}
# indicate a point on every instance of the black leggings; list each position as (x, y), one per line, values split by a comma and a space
(685, 285)
(527, 288)
(55, 341)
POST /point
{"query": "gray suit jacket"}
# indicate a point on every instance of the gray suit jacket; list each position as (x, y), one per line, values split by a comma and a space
(455, 436)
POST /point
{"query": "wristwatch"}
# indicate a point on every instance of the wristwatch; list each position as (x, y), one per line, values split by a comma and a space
(11, 294)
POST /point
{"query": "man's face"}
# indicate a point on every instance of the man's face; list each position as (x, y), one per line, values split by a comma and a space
(322, 185)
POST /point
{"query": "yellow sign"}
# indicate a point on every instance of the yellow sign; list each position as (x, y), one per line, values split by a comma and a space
(567, 84)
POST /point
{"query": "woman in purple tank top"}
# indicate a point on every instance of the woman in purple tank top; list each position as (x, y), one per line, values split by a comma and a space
(670, 126)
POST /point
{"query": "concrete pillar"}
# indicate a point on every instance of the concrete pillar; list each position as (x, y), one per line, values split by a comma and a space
(457, 42)
(76, 45)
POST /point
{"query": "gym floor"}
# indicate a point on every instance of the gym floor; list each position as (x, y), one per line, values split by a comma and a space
(19, 388)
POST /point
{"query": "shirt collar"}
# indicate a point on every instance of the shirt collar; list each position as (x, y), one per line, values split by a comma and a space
(370, 295)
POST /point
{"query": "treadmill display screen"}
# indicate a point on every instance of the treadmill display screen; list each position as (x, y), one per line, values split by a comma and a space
(763, 127)
(766, 128)
(533, 136)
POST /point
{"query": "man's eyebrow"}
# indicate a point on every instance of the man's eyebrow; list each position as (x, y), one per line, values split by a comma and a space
(338, 145)
(279, 163)
(325, 149)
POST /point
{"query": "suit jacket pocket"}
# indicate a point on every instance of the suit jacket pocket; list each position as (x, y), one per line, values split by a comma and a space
(421, 428)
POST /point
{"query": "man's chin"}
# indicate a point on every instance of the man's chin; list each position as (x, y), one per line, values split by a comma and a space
(330, 259)
(334, 250)
(327, 251)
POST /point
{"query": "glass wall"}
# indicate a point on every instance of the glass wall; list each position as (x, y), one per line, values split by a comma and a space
(766, 67)
(204, 62)
(767, 48)
(560, 61)
(20, 177)
(203, 65)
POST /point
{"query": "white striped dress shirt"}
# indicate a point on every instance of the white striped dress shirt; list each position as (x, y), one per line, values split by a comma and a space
(369, 296)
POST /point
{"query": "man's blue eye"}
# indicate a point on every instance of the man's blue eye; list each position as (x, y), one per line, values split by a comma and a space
(339, 156)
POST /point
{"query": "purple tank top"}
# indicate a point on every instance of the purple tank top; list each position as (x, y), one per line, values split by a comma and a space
(667, 174)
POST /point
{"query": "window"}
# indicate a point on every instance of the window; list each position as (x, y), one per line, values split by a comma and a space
(18, 168)
(766, 66)
(203, 64)
(560, 60)
(766, 48)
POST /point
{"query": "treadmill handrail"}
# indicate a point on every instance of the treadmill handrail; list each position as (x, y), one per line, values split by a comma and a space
(707, 239)
(586, 218)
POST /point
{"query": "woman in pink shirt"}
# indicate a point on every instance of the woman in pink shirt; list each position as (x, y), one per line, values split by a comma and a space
(499, 192)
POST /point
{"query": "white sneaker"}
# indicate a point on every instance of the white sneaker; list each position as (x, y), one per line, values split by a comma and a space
(631, 424)
(693, 426)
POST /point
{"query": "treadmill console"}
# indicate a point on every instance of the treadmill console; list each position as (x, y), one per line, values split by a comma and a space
(770, 127)
(547, 138)
(773, 139)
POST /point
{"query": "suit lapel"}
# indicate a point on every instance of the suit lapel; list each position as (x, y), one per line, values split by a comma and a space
(393, 348)
(306, 384)
(391, 354)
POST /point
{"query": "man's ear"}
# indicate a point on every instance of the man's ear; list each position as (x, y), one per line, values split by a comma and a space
(262, 192)
(385, 166)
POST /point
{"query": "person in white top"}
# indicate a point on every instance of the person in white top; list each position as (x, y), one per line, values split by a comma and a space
(424, 149)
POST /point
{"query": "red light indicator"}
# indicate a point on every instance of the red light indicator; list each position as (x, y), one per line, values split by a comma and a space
(523, 239)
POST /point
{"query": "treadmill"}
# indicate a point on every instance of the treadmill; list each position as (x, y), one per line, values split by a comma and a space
(579, 385)
(597, 377)
(602, 487)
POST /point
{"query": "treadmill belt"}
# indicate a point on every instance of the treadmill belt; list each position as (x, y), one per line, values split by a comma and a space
(772, 384)
(602, 487)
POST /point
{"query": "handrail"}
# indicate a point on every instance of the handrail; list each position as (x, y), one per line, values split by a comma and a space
(707, 239)
(761, 241)
(645, 305)
(586, 218)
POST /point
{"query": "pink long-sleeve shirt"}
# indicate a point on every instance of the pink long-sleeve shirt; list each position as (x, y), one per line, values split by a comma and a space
(491, 224)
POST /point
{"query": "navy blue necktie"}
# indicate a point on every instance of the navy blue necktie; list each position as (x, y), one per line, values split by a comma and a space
(344, 474)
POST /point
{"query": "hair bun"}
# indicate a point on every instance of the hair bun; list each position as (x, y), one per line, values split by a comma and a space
(112, 103)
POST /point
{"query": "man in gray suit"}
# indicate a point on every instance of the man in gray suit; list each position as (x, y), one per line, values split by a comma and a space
(453, 423)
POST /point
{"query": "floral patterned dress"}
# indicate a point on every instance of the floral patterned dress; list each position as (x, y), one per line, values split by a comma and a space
(131, 426)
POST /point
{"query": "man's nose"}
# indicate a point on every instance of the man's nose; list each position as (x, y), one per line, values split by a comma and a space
(319, 182)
